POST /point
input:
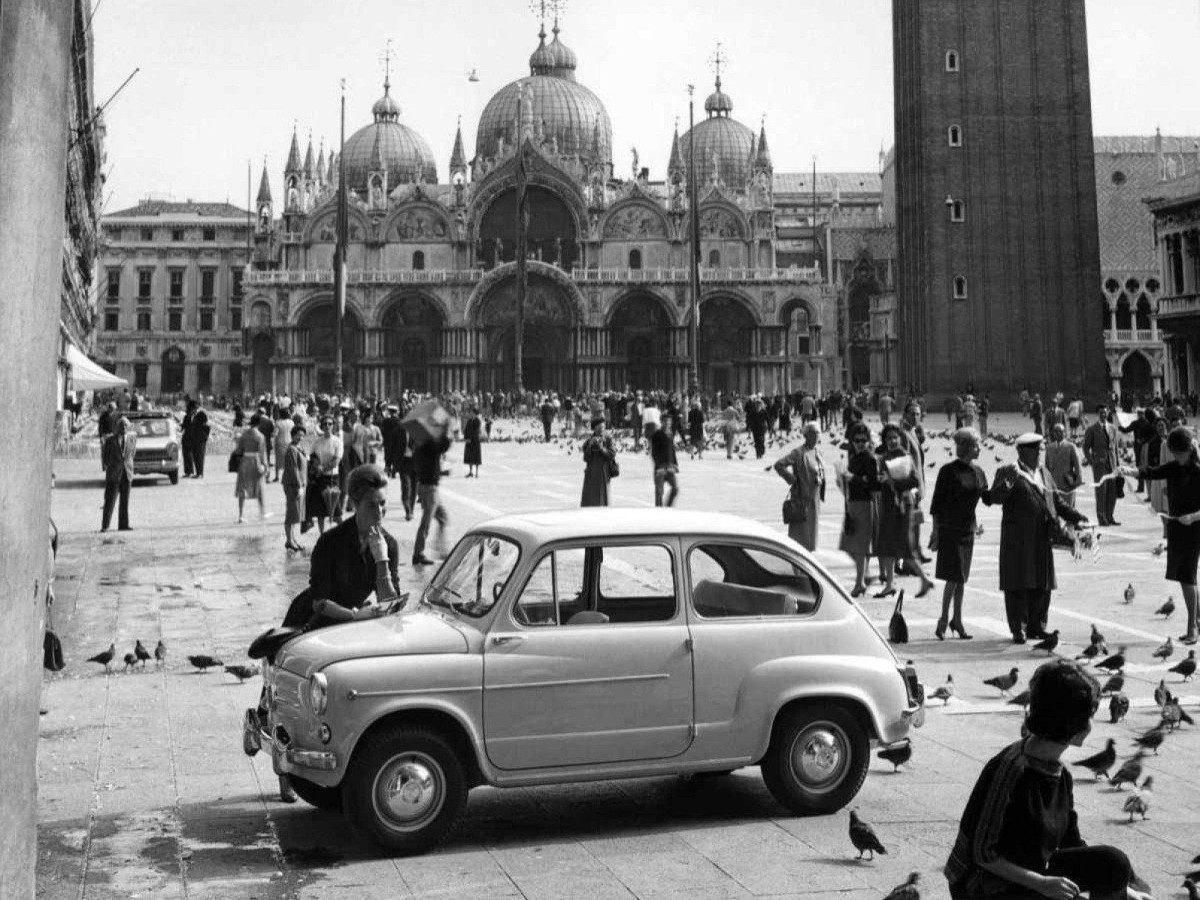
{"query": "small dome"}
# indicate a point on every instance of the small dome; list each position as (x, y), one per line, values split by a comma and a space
(386, 109)
(405, 153)
(718, 102)
(729, 139)
(555, 58)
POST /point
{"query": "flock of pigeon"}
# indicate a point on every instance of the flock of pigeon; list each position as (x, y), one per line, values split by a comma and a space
(141, 656)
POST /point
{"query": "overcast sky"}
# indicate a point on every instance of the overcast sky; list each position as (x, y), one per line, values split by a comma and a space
(222, 82)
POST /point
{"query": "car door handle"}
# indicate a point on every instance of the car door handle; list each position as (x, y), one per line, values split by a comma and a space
(507, 639)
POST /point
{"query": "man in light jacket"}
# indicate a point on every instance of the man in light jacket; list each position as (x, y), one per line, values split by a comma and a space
(117, 454)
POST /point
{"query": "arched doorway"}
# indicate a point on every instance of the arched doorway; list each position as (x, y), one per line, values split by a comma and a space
(551, 234)
(262, 348)
(1137, 378)
(320, 324)
(173, 361)
(725, 329)
(550, 317)
(1124, 314)
(640, 328)
(412, 327)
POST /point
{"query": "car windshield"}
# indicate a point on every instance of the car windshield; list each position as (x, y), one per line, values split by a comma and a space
(150, 427)
(471, 580)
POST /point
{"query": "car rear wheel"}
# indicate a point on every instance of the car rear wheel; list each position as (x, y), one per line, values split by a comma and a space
(818, 759)
(405, 790)
(326, 798)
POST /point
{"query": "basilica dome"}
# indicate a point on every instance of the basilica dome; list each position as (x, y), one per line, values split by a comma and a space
(724, 136)
(565, 109)
(404, 153)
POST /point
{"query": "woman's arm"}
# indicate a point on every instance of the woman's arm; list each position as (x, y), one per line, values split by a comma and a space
(1046, 885)
(784, 468)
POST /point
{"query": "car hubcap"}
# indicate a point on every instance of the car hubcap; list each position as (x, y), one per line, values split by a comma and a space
(409, 791)
(820, 756)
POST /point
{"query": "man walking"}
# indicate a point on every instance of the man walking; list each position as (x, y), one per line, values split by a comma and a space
(1100, 452)
(666, 466)
(914, 443)
(427, 465)
(1062, 459)
(117, 455)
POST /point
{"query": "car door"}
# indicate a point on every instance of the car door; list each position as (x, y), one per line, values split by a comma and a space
(591, 663)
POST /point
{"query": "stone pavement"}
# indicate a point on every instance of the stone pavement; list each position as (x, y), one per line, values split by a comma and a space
(145, 792)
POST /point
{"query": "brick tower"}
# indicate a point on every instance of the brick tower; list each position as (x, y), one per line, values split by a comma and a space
(998, 252)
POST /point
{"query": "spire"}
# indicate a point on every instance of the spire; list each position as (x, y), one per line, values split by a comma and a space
(753, 153)
(331, 174)
(321, 168)
(293, 160)
(596, 141)
(676, 162)
(308, 158)
(763, 161)
(376, 164)
(458, 158)
(264, 187)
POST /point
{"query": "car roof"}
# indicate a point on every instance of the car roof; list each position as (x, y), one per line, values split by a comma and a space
(596, 521)
(149, 414)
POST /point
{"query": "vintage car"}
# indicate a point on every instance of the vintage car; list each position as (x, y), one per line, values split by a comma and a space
(581, 645)
(157, 450)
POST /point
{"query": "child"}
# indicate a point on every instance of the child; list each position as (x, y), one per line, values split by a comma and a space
(1019, 835)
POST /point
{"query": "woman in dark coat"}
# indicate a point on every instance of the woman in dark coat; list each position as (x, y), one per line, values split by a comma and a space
(860, 483)
(960, 486)
(897, 503)
(695, 423)
(473, 451)
(598, 453)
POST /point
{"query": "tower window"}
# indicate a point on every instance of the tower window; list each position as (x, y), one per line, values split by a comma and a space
(952, 61)
(178, 234)
(210, 234)
(714, 258)
(114, 285)
(112, 321)
(143, 320)
(175, 320)
(418, 259)
(955, 136)
(206, 320)
(635, 259)
(958, 211)
(147, 234)
(141, 372)
(235, 318)
(960, 287)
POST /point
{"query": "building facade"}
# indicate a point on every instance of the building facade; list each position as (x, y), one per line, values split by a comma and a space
(170, 310)
(1175, 206)
(996, 206)
(431, 299)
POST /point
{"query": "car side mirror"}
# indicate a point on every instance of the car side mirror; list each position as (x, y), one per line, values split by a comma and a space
(497, 587)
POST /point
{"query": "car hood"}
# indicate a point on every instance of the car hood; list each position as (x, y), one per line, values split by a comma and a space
(407, 633)
(154, 442)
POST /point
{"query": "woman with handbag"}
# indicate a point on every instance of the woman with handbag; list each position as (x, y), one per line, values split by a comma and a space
(860, 484)
(804, 471)
(252, 468)
(960, 486)
(600, 465)
(899, 483)
(322, 497)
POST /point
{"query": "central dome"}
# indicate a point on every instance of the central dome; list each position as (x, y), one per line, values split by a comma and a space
(404, 153)
(719, 134)
(565, 109)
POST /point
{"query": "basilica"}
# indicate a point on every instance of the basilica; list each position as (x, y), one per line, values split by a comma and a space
(431, 284)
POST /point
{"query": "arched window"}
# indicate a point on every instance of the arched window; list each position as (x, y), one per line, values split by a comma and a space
(958, 211)
(714, 259)
(955, 136)
(1106, 310)
(418, 259)
(1141, 315)
(1124, 313)
(635, 259)
(952, 61)
(960, 287)
(800, 331)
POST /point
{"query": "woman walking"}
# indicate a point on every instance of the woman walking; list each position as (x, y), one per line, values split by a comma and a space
(860, 484)
(804, 471)
(473, 451)
(899, 483)
(293, 476)
(1154, 453)
(251, 469)
(695, 424)
(1182, 476)
(598, 457)
(321, 497)
(960, 486)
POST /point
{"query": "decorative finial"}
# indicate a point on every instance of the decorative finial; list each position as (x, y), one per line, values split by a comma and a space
(386, 58)
(717, 61)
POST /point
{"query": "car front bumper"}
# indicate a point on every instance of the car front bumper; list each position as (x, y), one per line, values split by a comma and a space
(285, 757)
(155, 466)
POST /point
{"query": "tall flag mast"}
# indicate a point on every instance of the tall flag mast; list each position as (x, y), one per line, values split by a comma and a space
(522, 252)
(339, 251)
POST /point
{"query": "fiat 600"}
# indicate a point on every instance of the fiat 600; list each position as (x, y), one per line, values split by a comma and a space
(582, 645)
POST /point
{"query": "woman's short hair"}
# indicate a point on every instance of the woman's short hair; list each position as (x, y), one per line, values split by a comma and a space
(891, 428)
(363, 479)
(298, 429)
(858, 430)
(965, 437)
(1179, 440)
(1062, 700)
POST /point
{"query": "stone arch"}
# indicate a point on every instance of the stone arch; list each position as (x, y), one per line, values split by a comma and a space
(623, 299)
(321, 227)
(1137, 374)
(727, 322)
(318, 319)
(799, 315)
(640, 324)
(260, 315)
(402, 294)
(174, 361)
(1124, 313)
(735, 296)
(420, 221)
(1142, 313)
(541, 175)
(719, 221)
(497, 275)
(634, 220)
(321, 298)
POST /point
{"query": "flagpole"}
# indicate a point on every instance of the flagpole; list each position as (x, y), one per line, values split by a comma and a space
(522, 269)
(339, 254)
(694, 212)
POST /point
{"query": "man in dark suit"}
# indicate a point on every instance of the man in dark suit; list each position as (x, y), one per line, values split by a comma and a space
(914, 443)
(1100, 452)
(1028, 525)
(117, 455)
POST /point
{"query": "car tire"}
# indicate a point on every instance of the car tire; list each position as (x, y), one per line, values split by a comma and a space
(326, 798)
(174, 476)
(420, 772)
(818, 759)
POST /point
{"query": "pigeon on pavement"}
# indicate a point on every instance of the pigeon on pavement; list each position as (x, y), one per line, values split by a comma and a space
(1101, 762)
(241, 672)
(1114, 662)
(1130, 593)
(1161, 692)
(1139, 803)
(1164, 650)
(142, 654)
(944, 692)
(863, 837)
(105, 659)
(1151, 740)
(130, 661)
(1166, 609)
(1097, 637)
(1003, 682)
(1114, 684)
(1173, 713)
(1022, 699)
(1118, 708)
(1130, 771)
(1190, 886)
(1091, 651)
(204, 663)
(897, 756)
(160, 653)
(1048, 643)
(908, 890)
(1186, 667)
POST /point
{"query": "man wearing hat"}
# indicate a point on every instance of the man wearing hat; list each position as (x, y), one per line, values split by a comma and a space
(1100, 452)
(1028, 524)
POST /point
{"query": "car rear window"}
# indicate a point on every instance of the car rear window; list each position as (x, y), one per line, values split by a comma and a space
(731, 580)
(150, 427)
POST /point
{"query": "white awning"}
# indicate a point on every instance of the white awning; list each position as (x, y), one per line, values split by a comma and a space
(87, 375)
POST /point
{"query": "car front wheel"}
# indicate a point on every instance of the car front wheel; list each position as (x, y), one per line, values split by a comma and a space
(326, 798)
(405, 790)
(818, 759)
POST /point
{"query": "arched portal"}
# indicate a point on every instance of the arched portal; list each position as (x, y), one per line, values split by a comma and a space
(1137, 379)
(725, 336)
(640, 328)
(262, 348)
(173, 361)
(863, 287)
(319, 323)
(1124, 314)
(412, 328)
(551, 234)
(550, 318)
(1141, 315)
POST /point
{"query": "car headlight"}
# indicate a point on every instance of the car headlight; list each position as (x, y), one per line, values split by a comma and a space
(172, 450)
(318, 693)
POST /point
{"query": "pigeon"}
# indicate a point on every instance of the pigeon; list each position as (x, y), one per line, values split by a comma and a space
(1114, 684)
(1130, 593)
(105, 659)
(1091, 651)
(1151, 740)
(944, 692)
(1161, 692)
(1130, 771)
(203, 663)
(1193, 891)
(1021, 700)
(141, 653)
(241, 672)
(1048, 643)
(1114, 662)
(863, 837)
(908, 890)
(1003, 682)
(160, 653)
(1101, 762)
(1097, 637)
(1118, 708)
(1159, 549)
(1166, 609)
(1139, 803)
(897, 756)
(130, 661)
(1165, 650)
(1187, 667)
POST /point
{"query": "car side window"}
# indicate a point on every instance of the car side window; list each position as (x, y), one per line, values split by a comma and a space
(555, 590)
(637, 583)
(729, 580)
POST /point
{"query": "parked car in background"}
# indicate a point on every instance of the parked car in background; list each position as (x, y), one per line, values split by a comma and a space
(157, 443)
(582, 645)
